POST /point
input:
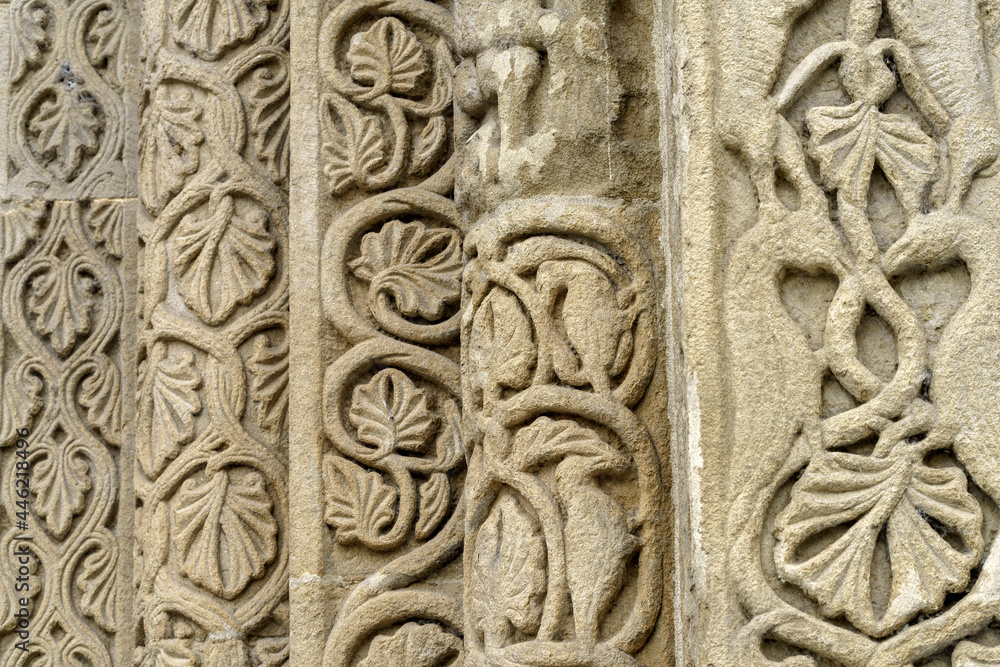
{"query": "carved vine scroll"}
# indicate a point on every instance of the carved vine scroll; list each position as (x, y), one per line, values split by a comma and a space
(211, 473)
(862, 487)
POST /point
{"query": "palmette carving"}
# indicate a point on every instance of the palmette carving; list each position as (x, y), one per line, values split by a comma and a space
(63, 305)
(860, 529)
(211, 474)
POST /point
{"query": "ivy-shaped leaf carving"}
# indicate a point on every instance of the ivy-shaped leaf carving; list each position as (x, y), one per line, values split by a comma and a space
(353, 154)
(28, 38)
(21, 226)
(62, 301)
(100, 394)
(413, 645)
(209, 27)
(60, 481)
(269, 368)
(172, 388)
(435, 496)
(98, 584)
(359, 505)
(430, 145)
(501, 345)
(107, 35)
(419, 267)
(105, 223)
(269, 103)
(391, 414)
(169, 148)
(225, 531)
(387, 57)
(508, 572)
(866, 495)
(223, 260)
(170, 653)
(66, 129)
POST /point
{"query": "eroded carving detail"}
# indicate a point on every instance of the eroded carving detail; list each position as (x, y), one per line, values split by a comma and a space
(211, 478)
(860, 527)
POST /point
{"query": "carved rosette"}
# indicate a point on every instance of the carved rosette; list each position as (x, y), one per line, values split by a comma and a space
(862, 492)
(67, 116)
(211, 472)
(565, 532)
(62, 306)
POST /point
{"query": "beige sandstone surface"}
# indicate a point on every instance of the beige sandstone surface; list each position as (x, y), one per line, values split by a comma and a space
(577, 333)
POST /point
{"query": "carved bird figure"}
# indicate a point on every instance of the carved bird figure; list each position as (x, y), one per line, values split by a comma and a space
(776, 377)
(965, 373)
(598, 541)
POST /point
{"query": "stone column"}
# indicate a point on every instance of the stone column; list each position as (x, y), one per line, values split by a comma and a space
(67, 343)
(211, 448)
(567, 528)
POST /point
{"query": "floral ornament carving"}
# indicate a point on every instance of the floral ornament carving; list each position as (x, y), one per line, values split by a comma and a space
(209, 27)
(384, 120)
(169, 147)
(877, 530)
(66, 128)
(173, 392)
(62, 301)
(62, 480)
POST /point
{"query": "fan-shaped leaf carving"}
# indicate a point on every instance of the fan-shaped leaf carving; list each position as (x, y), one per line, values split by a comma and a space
(105, 222)
(60, 481)
(100, 393)
(98, 584)
(21, 226)
(546, 440)
(388, 57)
(223, 260)
(508, 571)
(391, 413)
(173, 390)
(866, 495)
(353, 154)
(107, 35)
(225, 531)
(169, 148)
(420, 268)
(66, 129)
(269, 368)
(62, 301)
(501, 347)
(209, 27)
(435, 495)
(413, 645)
(28, 37)
(358, 503)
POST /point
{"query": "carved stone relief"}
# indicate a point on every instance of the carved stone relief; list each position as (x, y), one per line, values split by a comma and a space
(211, 450)
(855, 141)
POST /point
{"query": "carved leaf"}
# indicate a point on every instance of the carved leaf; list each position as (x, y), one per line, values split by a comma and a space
(501, 345)
(60, 481)
(429, 146)
(98, 584)
(508, 569)
(28, 37)
(359, 505)
(866, 495)
(101, 395)
(18, 404)
(62, 301)
(105, 222)
(435, 495)
(209, 27)
(420, 268)
(413, 645)
(269, 102)
(175, 401)
(351, 155)
(269, 368)
(169, 148)
(108, 38)
(66, 130)
(391, 413)
(388, 57)
(21, 226)
(226, 534)
(546, 440)
(847, 141)
(223, 261)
